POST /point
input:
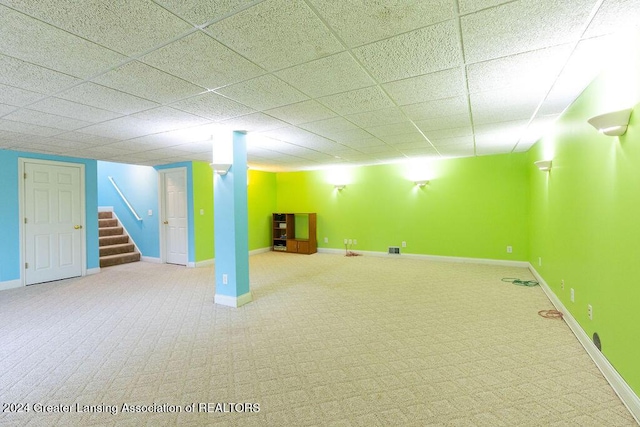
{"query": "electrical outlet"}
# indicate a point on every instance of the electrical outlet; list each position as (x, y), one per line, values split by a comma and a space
(573, 295)
(355, 241)
(351, 241)
(326, 240)
(562, 284)
(404, 244)
(225, 279)
(539, 261)
(590, 311)
(201, 211)
(346, 241)
(509, 249)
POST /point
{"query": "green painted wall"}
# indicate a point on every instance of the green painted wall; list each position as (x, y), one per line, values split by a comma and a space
(262, 203)
(203, 211)
(472, 207)
(584, 216)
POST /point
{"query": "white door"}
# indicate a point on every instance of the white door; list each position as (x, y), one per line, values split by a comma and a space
(52, 222)
(175, 216)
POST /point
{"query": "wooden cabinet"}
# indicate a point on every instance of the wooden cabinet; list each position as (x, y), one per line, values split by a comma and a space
(284, 232)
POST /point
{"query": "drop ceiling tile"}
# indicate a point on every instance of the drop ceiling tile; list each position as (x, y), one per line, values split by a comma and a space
(499, 137)
(420, 152)
(45, 119)
(146, 82)
(522, 26)
(357, 101)
(62, 107)
(329, 127)
(34, 41)
(441, 84)
(276, 40)
(359, 22)
(202, 60)
(6, 109)
(614, 16)
(392, 129)
(451, 142)
(212, 106)
(86, 138)
(106, 98)
(128, 27)
(378, 149)
(505, 104)
(435, 135)
(302, 112)
(385, 116)
(121, 128)
(436, 108)
(21, 74)
(411, 54)
(257, 122)
(327, 76)
(351, 136)
(405, 138)
(457, 151)
(263, 93)
(445, 122)
(469, 6)
(357, 144)
(412, 145)
(537, 68)
(19, 97)
(26, 128)
(200, 12)
(167, 118)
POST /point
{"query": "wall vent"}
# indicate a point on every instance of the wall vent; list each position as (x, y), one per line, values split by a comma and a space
(394, 250)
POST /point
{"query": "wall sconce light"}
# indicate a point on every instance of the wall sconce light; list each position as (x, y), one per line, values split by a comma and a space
(612, 124)
(422, 183)
(339, 187)
(220, 168)
(543, 165)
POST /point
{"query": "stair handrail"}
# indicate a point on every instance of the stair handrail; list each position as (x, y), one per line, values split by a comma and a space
(133, 211)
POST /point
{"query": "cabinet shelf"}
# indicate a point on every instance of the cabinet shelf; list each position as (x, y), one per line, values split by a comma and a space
(284, 237)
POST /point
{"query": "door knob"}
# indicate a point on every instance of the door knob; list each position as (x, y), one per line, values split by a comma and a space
(77, 227)
(166, 222)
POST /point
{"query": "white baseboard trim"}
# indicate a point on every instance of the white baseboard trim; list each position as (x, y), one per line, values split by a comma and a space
(502, 262)
(233, 301)
(205, 263)
(152, 259)
(619, 385)
(91, 271)
(10, 284)
(260, 251)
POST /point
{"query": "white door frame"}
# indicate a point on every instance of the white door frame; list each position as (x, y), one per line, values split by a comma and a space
(162, 203)
(21, 210)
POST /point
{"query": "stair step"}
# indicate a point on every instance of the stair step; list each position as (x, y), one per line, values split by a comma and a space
(108, 222)
(113, 240)
(110, 231)
(105, 215)
(122, 248)
(109, 260)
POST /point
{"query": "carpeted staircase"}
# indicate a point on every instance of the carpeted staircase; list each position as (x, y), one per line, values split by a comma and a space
(115, 247)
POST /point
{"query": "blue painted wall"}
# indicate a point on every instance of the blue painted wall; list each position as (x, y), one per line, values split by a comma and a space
(9, 211)
(190, 214)
(139, 184)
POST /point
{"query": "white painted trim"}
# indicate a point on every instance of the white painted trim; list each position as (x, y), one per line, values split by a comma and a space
(260, 251)
(502, 262)
(105, 208)
(190, 264)
(152, 259)
(21, 213)
(11, 284)
(161, 208)
(233, 301)
(205, 263)
(93, 271)
(619, 385)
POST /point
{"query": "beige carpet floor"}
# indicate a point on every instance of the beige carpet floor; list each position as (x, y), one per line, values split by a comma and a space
(328, 340)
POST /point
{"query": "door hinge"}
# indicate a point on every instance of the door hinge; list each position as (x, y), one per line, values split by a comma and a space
(25, 175)
(25, 220)
(26, 265)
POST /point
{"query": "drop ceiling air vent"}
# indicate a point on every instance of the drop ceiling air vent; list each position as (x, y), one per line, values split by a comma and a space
(394, 250)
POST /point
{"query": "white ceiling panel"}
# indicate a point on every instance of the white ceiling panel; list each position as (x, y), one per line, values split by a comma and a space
(85, 138)
(385, 116)
(457, 151)
(357, 144)
(421, 152)
(326, 76)
(521, 26)
(361, 21)
(273, 39)
(358, 101)
(441, 84)
(129, 27)
(122, 128)
(468, 6)
(263, 93)
(166, 119)
(21, 74)
(147, 82)
(6, 109)
(460, 141)
(350, 136)
(405, 138)
(445, 122)
(302, 112)
(505, 104)
(392, 129)
(34, 41)
(202, 60)
(329, 127)
(200, 12)
(435, 135)
(62, 107)
(256, 122)
(26, 128)
(106, 98)
(436, 108)
(615, 16)
(15, 96)
(411, 54)
(406, 146)
(212, 106)
(45, 119)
